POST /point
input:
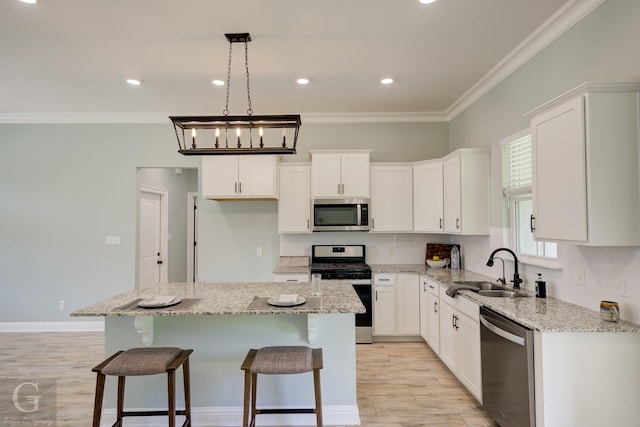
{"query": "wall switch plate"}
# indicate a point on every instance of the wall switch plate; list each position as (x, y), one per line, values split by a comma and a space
(62, 304)
(259, 251)
(625, 288)
(580, 278)
(111, 240)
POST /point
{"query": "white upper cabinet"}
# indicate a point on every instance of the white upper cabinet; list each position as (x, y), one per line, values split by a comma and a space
(239, 177)
(586, 187)
(294, 201)
(466, 191)
(391, 198)
(340, 174)
(428, 197)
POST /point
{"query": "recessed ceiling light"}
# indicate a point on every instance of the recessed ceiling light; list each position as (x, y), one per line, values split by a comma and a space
(29, 1)
(134, 82)
(302, 81)
(427, 1)
(386, 81)
(217, 82)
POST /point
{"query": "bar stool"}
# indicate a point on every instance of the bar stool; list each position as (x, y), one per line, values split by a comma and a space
(281, 360)
(144, 361)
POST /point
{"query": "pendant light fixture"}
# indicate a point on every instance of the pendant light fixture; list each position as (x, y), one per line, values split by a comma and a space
(226, 134)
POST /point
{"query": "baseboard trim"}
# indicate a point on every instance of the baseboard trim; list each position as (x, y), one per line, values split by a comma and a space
(342, 415)
(89, 326)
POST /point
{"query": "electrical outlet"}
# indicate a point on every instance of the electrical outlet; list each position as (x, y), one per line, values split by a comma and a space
(111, 240)
(580, 278)
(625, 288)
(259, 251)
(62, 304)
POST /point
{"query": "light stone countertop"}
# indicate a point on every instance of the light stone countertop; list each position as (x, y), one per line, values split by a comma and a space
(230, 299)
(542, 314)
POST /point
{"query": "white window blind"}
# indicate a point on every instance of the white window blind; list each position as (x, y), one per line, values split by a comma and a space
(516, 167)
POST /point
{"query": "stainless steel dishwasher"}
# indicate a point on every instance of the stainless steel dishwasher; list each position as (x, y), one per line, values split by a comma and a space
(507, 370)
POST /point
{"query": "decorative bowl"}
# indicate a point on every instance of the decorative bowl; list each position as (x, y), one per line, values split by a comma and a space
(436, 264)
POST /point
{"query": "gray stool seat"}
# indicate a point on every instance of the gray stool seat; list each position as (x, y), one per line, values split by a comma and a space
(144, 361)
(280, 360)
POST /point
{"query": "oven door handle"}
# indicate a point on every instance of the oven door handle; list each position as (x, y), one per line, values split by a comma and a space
(501, 332)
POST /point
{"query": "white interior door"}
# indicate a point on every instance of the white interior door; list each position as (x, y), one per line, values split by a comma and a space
(150, 262)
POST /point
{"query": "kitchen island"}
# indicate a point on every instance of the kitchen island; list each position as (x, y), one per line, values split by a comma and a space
(221, 324)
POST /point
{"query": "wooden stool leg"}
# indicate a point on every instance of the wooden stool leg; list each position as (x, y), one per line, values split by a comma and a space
(247, 396)
(254, 388)
(120, 404)
(171, 388)
(316, 386)
(187, 391)
(97, 404)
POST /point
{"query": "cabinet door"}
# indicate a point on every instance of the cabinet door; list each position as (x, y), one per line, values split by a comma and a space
(433, 322)
(326, 170)
(355, 177)
(384, 304)
(428, 197)
(294, 201)
(219, 176)
(391, 198)
(408, 304)
(469, 363)
(424, 308)
(448, 337)
(257, 176)
(452, 195)
(559, 173)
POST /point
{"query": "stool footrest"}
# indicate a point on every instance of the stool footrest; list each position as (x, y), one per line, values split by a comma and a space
(150, 413)
(286, 411)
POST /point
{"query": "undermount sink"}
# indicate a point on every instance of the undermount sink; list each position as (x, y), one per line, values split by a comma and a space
(500, 293)
(483, 286)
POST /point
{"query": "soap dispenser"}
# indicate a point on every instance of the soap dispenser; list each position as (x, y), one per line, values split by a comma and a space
(541, 287)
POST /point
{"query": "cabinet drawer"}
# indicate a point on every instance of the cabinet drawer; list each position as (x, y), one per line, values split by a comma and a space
(382, 279)
(469, 308)
(298, 277)
(433, 288)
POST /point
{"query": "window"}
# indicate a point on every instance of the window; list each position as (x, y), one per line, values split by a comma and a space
(516, 184)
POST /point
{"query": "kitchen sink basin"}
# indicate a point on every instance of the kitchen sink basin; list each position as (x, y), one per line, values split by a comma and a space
(500, 293)
(483, 286)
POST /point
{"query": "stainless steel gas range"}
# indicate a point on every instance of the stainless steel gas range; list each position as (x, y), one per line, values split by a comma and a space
(347, 262)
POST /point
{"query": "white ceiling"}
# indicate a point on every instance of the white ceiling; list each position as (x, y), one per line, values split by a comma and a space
(70, 58)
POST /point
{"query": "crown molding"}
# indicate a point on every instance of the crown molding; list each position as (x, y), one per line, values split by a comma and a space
(560, 22)
(83, 118)
(412, 117)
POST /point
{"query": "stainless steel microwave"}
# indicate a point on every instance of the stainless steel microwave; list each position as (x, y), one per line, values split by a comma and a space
(341, 215)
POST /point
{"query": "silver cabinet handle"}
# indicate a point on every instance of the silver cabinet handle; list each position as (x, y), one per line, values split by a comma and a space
(435, 306)
(384, 280)
(440, 223)
(457, 223)
(531, 226)
(239, 188)
(235, 188)
(373, 223)
(307, 223)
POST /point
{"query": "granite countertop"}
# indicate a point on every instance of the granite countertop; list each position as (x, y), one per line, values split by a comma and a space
(229, 299)
(542, 314)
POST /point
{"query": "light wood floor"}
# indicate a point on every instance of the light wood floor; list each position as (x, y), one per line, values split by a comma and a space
(399, 384)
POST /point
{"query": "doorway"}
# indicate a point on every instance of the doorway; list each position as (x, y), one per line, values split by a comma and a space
(153, 237)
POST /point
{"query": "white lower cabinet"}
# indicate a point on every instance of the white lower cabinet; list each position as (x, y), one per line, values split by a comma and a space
(430, 313)
(396, 304)
(384, 305)
(460, 340)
